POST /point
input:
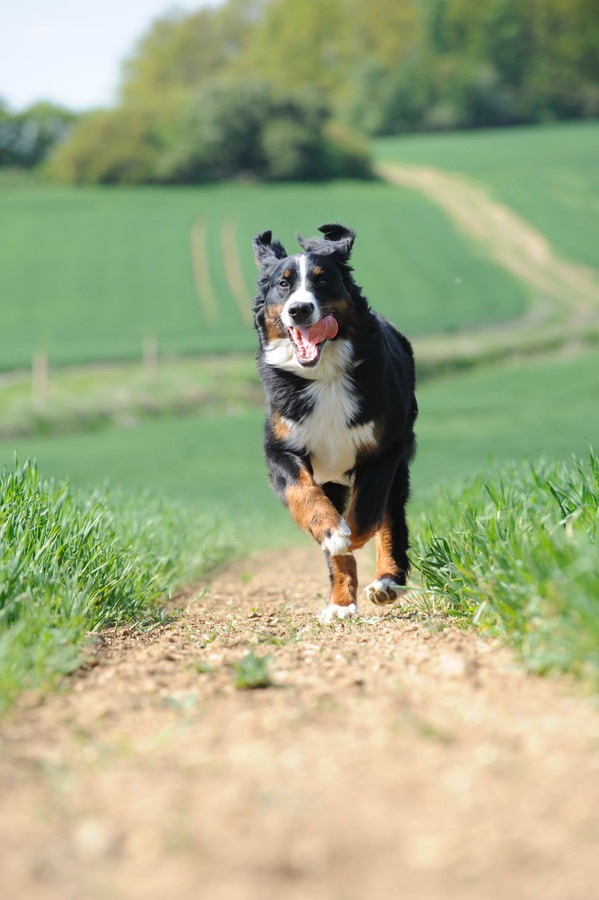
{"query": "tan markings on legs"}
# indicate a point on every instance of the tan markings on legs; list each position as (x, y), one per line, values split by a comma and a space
(344, 574)
(385, 563)
(358, 538)
(279, 428)
(310, 507)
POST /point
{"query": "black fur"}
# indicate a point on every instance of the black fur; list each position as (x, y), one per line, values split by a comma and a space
(377, 376)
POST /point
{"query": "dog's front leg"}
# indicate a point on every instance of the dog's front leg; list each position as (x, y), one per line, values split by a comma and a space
(343, 573)
(308, 503)
(315, 513)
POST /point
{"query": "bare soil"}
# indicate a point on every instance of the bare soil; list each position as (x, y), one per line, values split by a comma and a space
(393, 756)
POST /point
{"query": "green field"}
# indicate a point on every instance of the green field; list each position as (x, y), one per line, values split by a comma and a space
(89, 271)
(138, 547)
(86, 273)
(549, 174)
(544, 407)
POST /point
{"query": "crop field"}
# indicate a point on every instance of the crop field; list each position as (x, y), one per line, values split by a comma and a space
(86, 274)
(160, 653)
(548, 174)
(543, 407)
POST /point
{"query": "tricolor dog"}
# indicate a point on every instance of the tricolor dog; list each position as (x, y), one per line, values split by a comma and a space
(339, 384)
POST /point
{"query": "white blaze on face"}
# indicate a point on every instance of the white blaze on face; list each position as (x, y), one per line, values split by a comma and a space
(301, 294)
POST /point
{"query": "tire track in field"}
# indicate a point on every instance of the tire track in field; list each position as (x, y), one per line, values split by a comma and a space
(565, 304)
(233, 270)
(201, 272)
(512, 242)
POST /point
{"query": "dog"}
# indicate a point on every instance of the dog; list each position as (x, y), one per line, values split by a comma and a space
(340, 391)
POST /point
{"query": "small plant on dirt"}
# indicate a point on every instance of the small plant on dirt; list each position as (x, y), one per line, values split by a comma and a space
(200, 667)
(252, 671)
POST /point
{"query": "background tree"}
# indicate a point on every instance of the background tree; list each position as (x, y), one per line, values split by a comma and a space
(265, 86)
(27, 137)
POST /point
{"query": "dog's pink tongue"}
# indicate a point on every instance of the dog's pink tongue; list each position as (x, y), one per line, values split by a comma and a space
(324, 330)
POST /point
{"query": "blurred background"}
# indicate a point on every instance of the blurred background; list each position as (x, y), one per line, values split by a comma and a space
(142, 146)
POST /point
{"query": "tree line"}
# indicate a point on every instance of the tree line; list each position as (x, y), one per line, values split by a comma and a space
(278, 89)
(27, 137)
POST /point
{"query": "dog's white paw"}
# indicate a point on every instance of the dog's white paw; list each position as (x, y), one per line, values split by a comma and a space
(333, 611)
(337, 543)
(384, 591)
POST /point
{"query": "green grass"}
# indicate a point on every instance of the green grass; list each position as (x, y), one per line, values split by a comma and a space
(545, 406)
(542, 406)
(516, 552)
(413, 265)
(86, 273)
(210, 472)
(548, 174)
(85, 398)
(204, 462)
(252, 671)
(71, 563)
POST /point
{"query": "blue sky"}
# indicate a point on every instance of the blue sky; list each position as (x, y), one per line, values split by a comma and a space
(70, 51)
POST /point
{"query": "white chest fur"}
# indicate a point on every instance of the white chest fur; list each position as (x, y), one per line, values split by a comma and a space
(325, 433)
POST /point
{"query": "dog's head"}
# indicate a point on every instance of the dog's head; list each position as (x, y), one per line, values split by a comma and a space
(305, 301)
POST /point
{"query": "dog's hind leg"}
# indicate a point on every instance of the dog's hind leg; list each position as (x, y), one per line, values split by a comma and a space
(391, 540)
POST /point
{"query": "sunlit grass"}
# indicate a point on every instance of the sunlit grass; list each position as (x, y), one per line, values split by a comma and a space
(546, 173)
(71, 563)
(515, 552)
(87, 273)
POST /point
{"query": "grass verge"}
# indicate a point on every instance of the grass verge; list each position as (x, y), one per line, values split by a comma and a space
(71, 563)
(516, 553)
(90, 397)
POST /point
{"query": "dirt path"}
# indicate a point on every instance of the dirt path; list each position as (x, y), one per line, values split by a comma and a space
(515, 244)
(396, 757)
(565, 295)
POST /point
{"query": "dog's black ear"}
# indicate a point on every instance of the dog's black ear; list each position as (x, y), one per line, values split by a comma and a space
(337, 242)
(266, 250)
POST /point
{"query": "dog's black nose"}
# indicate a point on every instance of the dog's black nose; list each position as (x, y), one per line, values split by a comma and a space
(300, 312)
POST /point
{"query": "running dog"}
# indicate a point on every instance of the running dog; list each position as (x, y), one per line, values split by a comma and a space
(339, 433)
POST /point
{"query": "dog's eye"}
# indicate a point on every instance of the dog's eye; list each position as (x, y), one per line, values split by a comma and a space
(283, 283)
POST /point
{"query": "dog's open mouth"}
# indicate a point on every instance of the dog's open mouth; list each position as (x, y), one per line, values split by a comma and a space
(308, 342)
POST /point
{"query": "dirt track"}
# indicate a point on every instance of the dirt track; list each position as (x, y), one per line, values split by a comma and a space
(515, 244)
(396, 757)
